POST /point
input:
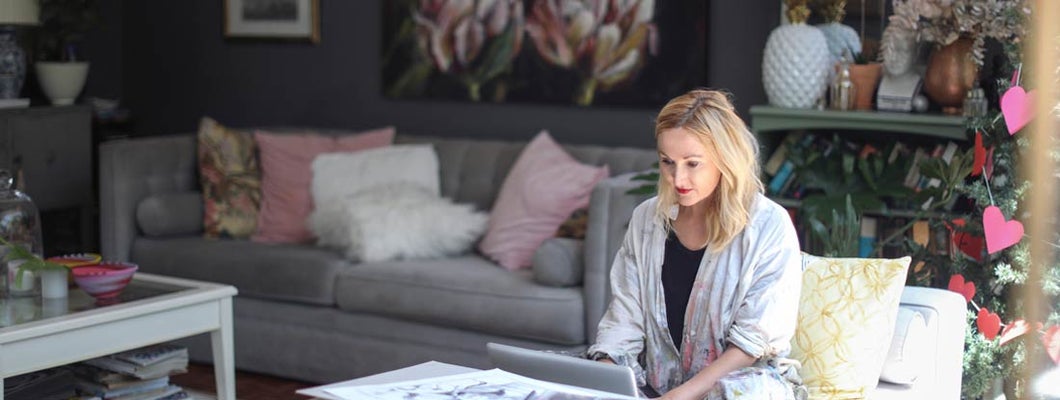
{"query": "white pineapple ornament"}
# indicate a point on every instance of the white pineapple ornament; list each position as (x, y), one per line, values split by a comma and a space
(796, 61)
(840, 37)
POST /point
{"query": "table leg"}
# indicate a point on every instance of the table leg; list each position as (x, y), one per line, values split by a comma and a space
(224, 366)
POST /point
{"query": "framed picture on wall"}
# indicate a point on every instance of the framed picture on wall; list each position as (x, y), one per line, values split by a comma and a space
(272, 19)
(636, 53)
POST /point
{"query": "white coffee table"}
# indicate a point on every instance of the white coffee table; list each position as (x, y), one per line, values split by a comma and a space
(37, 334)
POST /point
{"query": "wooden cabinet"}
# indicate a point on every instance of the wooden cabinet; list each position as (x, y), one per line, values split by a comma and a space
(53, 147)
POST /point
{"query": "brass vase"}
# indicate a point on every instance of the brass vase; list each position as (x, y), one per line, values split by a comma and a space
(950, 74)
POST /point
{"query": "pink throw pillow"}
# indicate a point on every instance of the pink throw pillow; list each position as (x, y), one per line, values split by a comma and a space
(286, 173)
(544, 186)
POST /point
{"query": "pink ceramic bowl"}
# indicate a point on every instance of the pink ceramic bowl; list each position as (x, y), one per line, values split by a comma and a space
(104, 280)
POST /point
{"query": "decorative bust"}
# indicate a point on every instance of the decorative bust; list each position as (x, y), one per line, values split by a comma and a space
(900, 82)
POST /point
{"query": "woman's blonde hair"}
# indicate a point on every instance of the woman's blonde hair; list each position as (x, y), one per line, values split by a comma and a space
(709, 115)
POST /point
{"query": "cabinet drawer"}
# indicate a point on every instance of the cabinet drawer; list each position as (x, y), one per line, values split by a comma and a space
(54, 149)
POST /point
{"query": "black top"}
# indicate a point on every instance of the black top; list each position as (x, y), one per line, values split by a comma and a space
(678, 275)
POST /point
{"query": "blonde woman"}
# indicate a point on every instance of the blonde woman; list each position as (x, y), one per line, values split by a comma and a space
(706, 284)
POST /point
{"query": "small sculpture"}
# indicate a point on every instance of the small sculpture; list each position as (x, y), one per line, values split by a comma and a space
(900, 83)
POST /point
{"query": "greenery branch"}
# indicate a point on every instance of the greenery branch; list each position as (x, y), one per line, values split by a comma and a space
(31, 262)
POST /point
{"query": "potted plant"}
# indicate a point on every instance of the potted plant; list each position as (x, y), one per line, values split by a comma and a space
(53, 275)
(61, 69)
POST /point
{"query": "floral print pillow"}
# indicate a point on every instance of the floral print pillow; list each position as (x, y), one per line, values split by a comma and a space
(231, 181)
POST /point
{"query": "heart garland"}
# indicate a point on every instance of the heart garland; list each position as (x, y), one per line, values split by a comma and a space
(988, 323)
(1000, 233)
(1017, 106)
(979, 159)
(1051, 340)
(1016, 329)
(966, 289)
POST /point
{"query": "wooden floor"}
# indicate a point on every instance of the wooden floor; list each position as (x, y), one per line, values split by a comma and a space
(249, 386)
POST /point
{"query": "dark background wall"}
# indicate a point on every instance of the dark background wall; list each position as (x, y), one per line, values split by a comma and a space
(173, 66)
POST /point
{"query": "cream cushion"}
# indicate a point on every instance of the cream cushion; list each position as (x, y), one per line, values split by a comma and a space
(847, 314)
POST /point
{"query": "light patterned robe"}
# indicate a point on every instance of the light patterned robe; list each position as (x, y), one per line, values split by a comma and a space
(746, 295)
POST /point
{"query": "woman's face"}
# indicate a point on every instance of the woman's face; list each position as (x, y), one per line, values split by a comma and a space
(685, 164)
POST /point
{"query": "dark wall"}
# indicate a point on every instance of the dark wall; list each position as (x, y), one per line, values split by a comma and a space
(176, 67)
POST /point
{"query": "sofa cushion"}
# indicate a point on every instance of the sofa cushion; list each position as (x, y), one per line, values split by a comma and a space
(170, 214)
(231, 180)
(558, 262)
(400, 220)
(465, 292)
(280, 272)
(847, 313)
(286, 161)
(540, 192)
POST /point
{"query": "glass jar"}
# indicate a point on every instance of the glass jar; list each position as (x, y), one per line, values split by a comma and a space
(19, 225)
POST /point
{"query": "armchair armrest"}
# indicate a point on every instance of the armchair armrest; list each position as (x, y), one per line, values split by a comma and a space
(129, 171)
(610, 208)
(945, 313)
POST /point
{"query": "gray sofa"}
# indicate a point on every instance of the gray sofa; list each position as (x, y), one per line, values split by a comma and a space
(307, 313)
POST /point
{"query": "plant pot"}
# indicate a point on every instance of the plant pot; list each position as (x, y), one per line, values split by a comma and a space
(865, 78)
(795, 66)
(62, 81)
(950, 74)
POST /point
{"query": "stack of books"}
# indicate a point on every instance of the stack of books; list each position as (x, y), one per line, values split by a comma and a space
(140, 374)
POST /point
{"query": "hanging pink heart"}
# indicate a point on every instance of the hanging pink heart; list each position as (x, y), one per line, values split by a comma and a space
(1000, 234)
(1017, 106)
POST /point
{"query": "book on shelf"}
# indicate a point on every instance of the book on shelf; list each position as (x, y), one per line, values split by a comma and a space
(151, 354)
(86, 386)
(867, 238)
(162, 362)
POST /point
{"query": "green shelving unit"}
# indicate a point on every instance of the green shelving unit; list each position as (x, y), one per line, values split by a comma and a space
(767, 119)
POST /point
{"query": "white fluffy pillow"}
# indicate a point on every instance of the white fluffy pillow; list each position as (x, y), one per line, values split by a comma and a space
(396, 221)
(909, 349)
(337, 175)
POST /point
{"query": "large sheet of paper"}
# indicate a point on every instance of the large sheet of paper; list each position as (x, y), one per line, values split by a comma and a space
(491, 384)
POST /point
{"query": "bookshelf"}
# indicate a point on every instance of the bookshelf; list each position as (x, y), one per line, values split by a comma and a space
(773, 123)
(767, 119)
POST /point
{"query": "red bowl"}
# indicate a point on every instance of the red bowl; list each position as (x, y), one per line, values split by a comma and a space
(104, 280)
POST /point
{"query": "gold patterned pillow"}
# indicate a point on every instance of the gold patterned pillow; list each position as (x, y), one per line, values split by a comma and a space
(231, 180)
(847, 313)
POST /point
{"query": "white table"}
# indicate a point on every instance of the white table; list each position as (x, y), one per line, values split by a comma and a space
(428, 369)
(37, 334)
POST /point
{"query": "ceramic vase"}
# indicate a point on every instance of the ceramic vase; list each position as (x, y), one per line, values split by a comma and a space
(950, 73)
(840, 38)
(795, 66)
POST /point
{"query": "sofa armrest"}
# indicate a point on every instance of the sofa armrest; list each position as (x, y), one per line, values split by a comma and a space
(131, 170)
(945, 313)
(610, 208)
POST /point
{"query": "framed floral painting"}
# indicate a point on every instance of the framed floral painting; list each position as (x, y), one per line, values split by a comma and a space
(636, 53)
(272, 19)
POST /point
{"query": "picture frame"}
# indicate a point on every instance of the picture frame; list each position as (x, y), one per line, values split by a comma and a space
(296, 20)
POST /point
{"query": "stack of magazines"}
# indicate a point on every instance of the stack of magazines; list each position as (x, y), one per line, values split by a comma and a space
(49, 384)
(140, 374)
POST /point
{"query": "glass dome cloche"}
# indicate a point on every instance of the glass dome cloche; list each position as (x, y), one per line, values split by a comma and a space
(19, 225)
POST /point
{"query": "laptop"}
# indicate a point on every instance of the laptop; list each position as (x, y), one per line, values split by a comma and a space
(563, 369)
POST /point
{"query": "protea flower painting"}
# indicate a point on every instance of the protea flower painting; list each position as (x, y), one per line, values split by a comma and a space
(584, 52)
